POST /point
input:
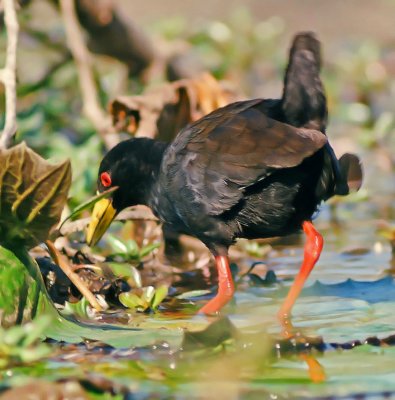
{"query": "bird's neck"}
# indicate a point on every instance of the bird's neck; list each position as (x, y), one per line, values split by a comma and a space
(146, 178)
(303, 101)
(155, 156)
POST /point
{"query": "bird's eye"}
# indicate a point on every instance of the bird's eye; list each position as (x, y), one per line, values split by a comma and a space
(105, 179)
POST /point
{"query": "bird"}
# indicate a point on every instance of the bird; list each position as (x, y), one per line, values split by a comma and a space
(303, 101)
(253, 169)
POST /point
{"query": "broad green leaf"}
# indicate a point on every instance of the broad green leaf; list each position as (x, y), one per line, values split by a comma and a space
(32, 195)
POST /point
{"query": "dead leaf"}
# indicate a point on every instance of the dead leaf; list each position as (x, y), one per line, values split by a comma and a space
(32, 195)
(163, 111)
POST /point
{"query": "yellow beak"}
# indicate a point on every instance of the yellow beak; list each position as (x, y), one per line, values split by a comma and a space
(102, 215)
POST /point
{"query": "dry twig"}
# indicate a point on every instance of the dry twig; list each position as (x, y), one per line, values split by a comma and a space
(63, 263)
(8, 74)
(83, 60)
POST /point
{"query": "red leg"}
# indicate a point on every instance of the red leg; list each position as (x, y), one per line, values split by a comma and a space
(225, 287)
(312, 251)
(316, 370)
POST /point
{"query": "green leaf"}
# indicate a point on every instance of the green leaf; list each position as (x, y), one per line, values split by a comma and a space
(132, 248)
(21, 344)
(143, 299)
(32, 195)
(80, 308)
(22, 291)
(148, 249)
(135, 277)
(121, 269)
(131, 300)
(87, 204)
(14, 335)
(118, 246)
(160, 295)
(36, 330)
(35, 353)
(148, 294)
(125, 270)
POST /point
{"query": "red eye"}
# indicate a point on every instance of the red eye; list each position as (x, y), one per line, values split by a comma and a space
(105, 179)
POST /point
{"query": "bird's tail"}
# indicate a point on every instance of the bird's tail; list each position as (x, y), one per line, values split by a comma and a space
(303, 100)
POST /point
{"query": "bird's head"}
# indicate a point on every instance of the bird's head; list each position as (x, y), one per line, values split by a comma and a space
(130, 168)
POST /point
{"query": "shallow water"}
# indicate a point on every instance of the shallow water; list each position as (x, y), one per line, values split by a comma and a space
(349, 297)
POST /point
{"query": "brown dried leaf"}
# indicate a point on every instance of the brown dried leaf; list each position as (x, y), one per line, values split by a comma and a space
(164, 110)
(32, 195)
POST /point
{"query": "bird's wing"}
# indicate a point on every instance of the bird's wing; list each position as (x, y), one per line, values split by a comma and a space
(214, 159)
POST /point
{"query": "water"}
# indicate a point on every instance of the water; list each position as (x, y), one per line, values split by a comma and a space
(349, 297)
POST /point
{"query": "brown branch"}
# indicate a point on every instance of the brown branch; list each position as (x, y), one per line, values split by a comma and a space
(91, 105)
(8, 74)
(63, 263)
(116, 35)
